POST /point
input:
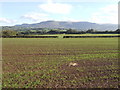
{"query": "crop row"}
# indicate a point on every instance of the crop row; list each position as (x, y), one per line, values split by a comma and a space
(44, 63)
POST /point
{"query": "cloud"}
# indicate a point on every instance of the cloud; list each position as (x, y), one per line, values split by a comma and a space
(56, 8)
(107, 14)
(7, 21)
(35, 16)
(31, 17)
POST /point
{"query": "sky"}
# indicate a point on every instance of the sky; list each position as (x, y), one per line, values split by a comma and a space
(14, 12)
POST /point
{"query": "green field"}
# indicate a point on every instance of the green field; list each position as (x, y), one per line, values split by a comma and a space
(45, 63)
(78, 35)
(61, 35)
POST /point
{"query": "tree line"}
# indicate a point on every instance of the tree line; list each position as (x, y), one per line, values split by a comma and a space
(54, 31)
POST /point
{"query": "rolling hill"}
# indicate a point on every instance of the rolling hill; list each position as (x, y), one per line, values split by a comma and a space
(67, 24)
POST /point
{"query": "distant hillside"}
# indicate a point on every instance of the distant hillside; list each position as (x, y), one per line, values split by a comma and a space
(73, 25)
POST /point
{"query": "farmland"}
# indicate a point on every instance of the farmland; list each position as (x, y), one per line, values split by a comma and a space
(44, 63)
(88, 34)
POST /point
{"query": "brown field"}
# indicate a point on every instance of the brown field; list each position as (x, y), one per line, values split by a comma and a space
(44, 63)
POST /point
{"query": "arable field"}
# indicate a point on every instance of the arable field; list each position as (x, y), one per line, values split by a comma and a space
(61, 35)
(45, 63)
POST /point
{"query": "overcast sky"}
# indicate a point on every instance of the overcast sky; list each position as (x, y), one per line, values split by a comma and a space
(27, 11)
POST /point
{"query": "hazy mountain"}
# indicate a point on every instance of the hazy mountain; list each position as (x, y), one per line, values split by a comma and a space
(73, 25)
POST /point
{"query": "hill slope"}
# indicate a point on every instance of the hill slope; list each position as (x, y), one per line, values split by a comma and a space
(73, 25)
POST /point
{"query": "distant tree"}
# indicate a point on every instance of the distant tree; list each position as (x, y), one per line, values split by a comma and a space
(43, 31)
(90, 31)
(81, 32)
(53, 32)
(9, 33)
(71, 31)
(39, 32)
(118, 31)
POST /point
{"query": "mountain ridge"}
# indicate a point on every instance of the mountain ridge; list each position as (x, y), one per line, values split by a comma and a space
(69, 24)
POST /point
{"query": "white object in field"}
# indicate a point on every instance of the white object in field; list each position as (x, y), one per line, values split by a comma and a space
(73, 64)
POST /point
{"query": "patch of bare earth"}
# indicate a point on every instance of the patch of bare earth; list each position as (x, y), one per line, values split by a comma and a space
(91, 74)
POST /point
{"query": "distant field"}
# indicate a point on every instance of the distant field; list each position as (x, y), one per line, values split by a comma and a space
(38, 63)
(78, 35)
(61, 35)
